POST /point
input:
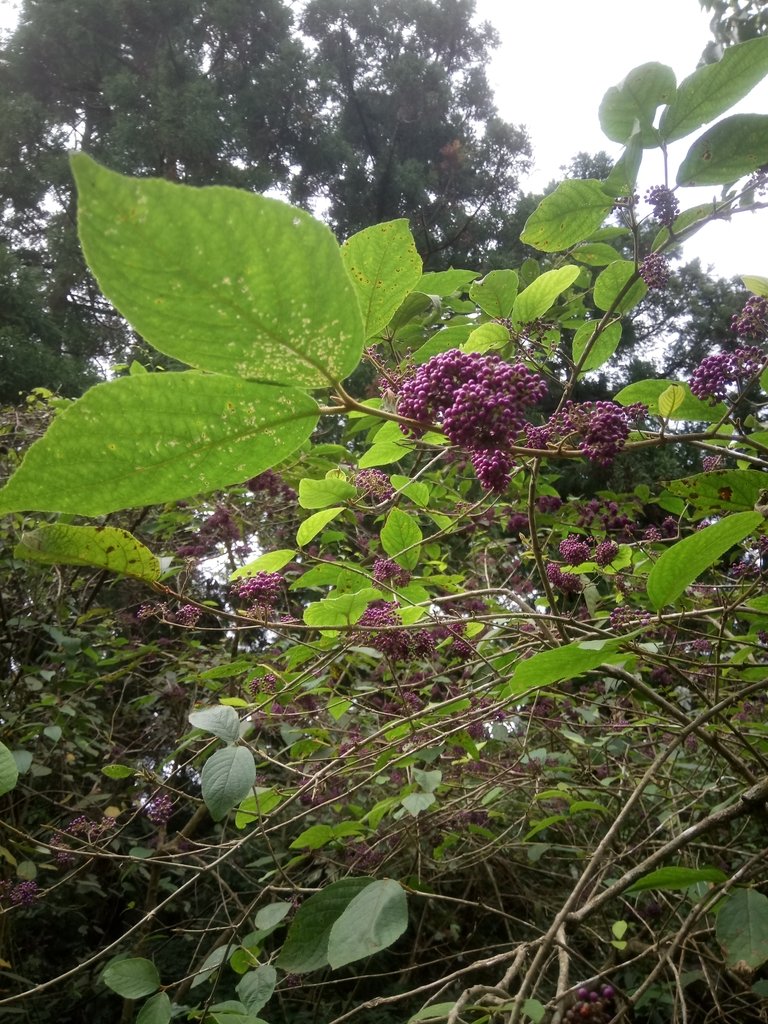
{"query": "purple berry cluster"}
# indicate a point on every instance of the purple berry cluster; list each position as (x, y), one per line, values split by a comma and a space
(23, 894)
(716, 374)
(602, 428)
(654, 270)
(592, 1006)
(479, 401)
(385, 632)
(187, 615)
(372, 483)
(565, 582)
(605, 552)
(752, 321)
(664, 203)
(623, 617)
(159, 809)
(388, 572)
(262, 591)
(218, 528)
(272, 485)
(574, 550)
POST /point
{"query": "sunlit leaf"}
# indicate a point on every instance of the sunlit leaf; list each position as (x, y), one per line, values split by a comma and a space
(735, 146)
(568, 215)
(103, 547)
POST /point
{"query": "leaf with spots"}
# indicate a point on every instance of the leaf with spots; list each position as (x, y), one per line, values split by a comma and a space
(158, 437)
(384, 267)
(735, 146)
(104, 547)
(219, 278)
(568, 215)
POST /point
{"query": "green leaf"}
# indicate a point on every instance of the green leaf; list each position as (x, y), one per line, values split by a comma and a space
(156, 1010)
(313, 838)
(132, 978)
(255, 988)
(495, 294)
(401, 537)
(374, 919)
(714, 88)
(602, 350)
(735, 146)
(159, 437)
(670, 399)
(322, 493)
(686, 560)
(567, 662)
(486, 337)
(742, 928)
(595, 254)
(415, 803)
(104, 547)
(271, 561)
(212, 962)
(630, 107)
(9, 772)
(612, 282)
(385, 453)
(540, 295)
(623, 178)
(568, 215)
(672, 878)
(221, 278)
(437, 1011)
(271, 915)
(757, 285)
(332, 612)
(227, 777)
(310, 528)
(534, 1010)
(219, 720)
(446, 282)
(649, 391)
(118, 771)
(384, 266)
(306, 944)
(721, 491)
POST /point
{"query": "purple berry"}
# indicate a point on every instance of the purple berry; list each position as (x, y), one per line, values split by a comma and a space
(574, 550)
(605, 552)
(664, 203)
(654, 270)
(752, 321)
(386, 570)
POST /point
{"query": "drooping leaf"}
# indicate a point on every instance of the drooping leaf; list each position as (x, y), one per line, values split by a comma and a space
(227, 777)
(567, 662)
(446, 282)
(595, 254)
(306, 944)
(495, 293)
(156, 1010)
(673, 878)
(742, 928)
(670, 399)
(623, 177)
(568, 215)
(155, 438)
(220, 278)
(256, 987)
(720, 491)
(9, 772)
(630, 107)
(104, 547)
(603, 348)
(401, 537)
(540, 295)
(374, 919)
(219, 720)
(686, 560)
(310, 528)
(486, 337)
(714, 88)
(649, 391)
(612, 283)
(384, 267)
(757, 285)
(132, 978)
(735, 146)
(270, 561)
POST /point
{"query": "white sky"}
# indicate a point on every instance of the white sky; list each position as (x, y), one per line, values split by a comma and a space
(557, 59)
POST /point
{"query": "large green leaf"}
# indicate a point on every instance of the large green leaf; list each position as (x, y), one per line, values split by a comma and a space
(714, 88)
(539, 296)
(325, 492)
(384, 266)
(567, 662)
(603, 348)
(105, 547)
(649, 391)
(306, 944)
(132, 978)
(568, 215)
(686, 560)
(335, 611)
(256, 987)
(735, 146)
(219, 278)
(401, 537)
(219, 720)
(9, 772)
(158, 437)
(630, 107)
(721, 491)
(611, 283)
(742, 928)
(156, 1010)
(227, 777)
(374, 919)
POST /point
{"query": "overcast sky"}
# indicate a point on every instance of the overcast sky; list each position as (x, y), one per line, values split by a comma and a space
(557, 59)
(555, 62)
